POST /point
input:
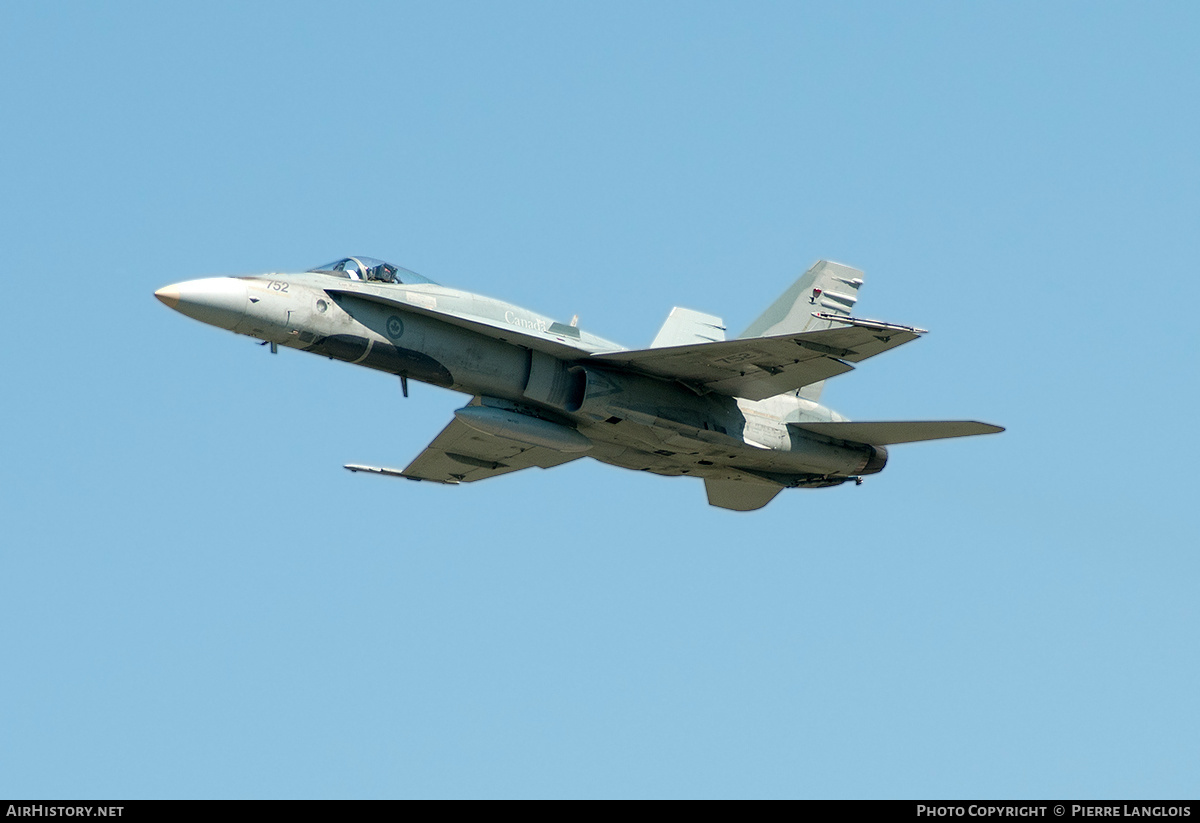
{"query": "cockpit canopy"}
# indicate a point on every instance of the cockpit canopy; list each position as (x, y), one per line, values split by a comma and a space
(368, 268)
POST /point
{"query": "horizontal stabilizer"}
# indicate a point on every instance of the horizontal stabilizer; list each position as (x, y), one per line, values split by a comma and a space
(902, 431)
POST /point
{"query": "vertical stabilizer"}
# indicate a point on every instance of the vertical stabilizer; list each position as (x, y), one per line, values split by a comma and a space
(739, 495)
(827, 287)
(685, 327)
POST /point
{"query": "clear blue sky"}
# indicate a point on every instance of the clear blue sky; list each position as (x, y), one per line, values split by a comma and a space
(196, 600)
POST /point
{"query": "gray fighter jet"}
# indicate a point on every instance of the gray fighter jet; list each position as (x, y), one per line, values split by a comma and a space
(742, 414)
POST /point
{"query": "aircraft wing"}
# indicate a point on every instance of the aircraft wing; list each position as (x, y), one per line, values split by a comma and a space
(904, 431)
(759, 367)
(461, 454)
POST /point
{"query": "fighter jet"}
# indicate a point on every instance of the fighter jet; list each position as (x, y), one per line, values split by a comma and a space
(741, 414)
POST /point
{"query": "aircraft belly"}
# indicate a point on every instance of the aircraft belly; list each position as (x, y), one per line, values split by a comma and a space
(384, 357)
(348, 347)
(662, 451)
(665, 451)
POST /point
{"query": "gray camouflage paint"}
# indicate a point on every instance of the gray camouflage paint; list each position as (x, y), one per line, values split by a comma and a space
(514, 359)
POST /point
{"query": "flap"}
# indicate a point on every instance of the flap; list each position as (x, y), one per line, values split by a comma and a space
(461, 454)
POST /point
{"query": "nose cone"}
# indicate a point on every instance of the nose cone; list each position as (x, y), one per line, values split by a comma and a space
(218, 301)
(169, 295)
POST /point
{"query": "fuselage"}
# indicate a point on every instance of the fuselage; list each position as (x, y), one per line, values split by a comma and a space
(516, 359)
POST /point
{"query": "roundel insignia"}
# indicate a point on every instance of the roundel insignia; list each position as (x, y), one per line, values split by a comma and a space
(395, 327)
